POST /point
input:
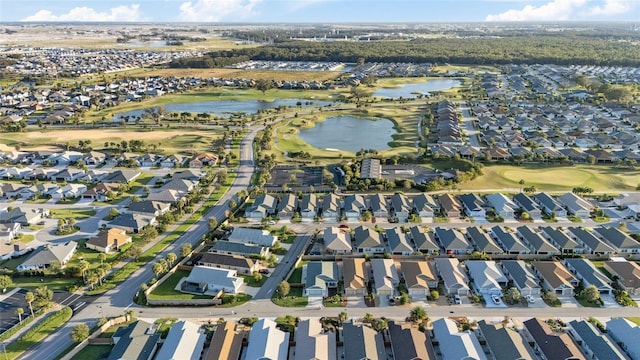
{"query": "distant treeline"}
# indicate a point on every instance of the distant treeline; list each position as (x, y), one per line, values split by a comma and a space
(535, 49)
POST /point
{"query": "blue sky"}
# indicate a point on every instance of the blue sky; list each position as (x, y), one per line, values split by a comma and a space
(319, 10)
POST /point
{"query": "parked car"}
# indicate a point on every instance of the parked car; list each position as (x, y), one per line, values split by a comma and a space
(496, 299)
(271, 222)
(263, 271)
(530, 299)
(457, 300)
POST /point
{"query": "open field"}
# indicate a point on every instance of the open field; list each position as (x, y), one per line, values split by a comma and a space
(171, 140)
(555, 178)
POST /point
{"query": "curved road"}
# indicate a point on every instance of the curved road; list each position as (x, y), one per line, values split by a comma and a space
(117, 300)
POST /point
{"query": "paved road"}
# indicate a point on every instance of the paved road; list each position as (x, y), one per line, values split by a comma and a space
(117, 300)
(472, 133)
(286, 263)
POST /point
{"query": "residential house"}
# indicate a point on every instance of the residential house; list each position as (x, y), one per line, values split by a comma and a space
(68, 191)
(589, 275)
(419, 277)
(424, 242)
(483, 242)
(132, 223)
(45, 256)
(523, 277)
(252, 236)
(122, 176)
(24, 217)
(262, 207)
(242, 249)
(385, 276)
(354, 206)
(364, 342)
(592, 342)
(549, 205)
(623, 243)
(536, 242)
(424, 205)
(266, 341)
(550, 344)
(308, 206)
(456, 344)
(173, 161)
(398, 242)
(336, 241)
(68, 174)
(9, 249)
(136, 341)
(378, 206)
(626, 274)
(505, 343)
(149, 208)
(203, 159)
(527, 205)
(9, 231)
(108, 240)
(184, 341)
(502, 205)
(449, 206)
(204, 280)
(452, 241)
(561, 240)
(408, 342)
(165, 195)
(181, 185)
(314, 343)
(355, 276)
(576, 205)
(320, 277)
(590, 243)
(486, 276)
(453, 275)
(238, 263)
(94, 158)
(400, 207)
(370, 169)
(187, 174)
(367, 240)
(555, 277)
(100, 191)
(226, 343)
(287, 206)
(473, 205)
(331, 207)
(626, 334)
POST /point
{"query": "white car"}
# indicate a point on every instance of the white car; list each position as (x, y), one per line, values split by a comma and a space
(496, 299)
(530, 299)
(457, 300)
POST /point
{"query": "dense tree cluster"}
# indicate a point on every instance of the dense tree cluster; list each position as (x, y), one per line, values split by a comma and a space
(561, 49)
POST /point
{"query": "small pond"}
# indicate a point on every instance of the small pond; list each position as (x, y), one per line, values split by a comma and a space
(412, 90)
(350, 133)
(225, 108)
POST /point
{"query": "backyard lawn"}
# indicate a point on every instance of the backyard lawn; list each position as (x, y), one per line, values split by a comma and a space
(95, 352)
(77, 214)
(294, 299)
(165, 291)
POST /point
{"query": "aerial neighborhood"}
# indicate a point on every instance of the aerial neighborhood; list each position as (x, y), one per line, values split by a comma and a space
(344, 191)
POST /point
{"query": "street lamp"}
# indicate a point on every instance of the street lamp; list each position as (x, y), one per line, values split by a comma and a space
(4, 349)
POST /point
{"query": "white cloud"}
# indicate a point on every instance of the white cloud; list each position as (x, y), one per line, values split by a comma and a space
(119, 13)
(554, 10)
(300, 4)
(610, 7)
(216, 10)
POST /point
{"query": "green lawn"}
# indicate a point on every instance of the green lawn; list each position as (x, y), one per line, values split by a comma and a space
(635, 319)
(38, 332)
(37, 201)
(296, 276)
(139, 182)
(295, 299)
(555, 178)
(69, 201)
(165, 291)
(77, 214)
(92, 256)
(250, 281)
(53, 283)
(94, 352)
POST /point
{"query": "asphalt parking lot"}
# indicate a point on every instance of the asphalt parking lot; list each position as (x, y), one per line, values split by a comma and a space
(8, 306)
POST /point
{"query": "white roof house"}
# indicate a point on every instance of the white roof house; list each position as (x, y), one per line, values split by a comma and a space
(453, 275)
(487, 277)
(502, 205)
(313, 343)
(455, 344)
(252, 236)
(337, 241)
(267, 342)
(385, 276)
(208, 280)
(184, 342)
(576, 205)
(626, 334)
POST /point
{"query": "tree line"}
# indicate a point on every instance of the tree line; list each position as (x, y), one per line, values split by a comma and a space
(528, 49)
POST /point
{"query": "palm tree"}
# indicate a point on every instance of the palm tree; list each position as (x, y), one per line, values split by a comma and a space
(29, 297)
(521, 182)
(171, 258)
(84, 266)
(19, 312)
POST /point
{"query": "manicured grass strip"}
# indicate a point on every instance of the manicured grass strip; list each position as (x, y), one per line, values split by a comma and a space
(294, 299)
(93, 352)
(27, 319)
(165, 291)
(38, 332)
(77, 214)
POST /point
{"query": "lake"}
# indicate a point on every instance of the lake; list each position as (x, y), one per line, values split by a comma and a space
(350, 133)
(225, 108)
(412, 90)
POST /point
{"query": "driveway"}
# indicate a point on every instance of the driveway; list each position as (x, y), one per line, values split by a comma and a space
(609, 301)
(490, 304)
(569, 302)
(315, 302)
(356, 302)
